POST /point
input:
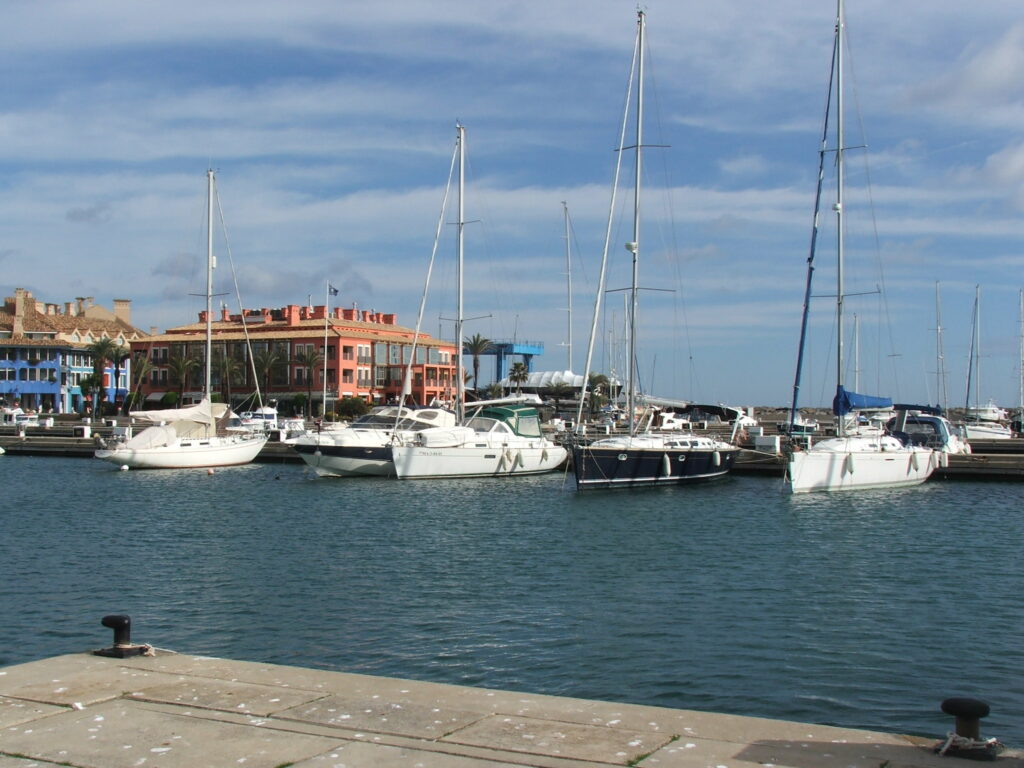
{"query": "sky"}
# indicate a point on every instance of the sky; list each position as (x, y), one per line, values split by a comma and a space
(331, 126)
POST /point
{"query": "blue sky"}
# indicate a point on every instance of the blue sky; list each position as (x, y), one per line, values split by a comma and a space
(331, 126)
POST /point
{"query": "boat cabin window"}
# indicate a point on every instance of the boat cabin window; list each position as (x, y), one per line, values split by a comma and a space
(481, 424)
(529, 426)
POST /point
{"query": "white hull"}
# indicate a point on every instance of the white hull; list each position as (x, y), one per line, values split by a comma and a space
(412, 461)
(987, 432)
(855, 463)
(188, 453)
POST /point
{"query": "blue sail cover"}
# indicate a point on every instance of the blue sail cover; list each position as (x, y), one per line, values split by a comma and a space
(846, 401)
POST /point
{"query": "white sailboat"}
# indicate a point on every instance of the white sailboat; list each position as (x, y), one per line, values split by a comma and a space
(497, 438)
(181, 438)
(851, 460)
(645, 455)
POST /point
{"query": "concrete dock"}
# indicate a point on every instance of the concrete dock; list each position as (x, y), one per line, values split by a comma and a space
(178, 711)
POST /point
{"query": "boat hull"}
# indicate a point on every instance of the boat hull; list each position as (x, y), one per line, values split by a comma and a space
(347, 460)
(981, 431)
(413, 461)
(597, 467)
(187, 454)
(836, 470)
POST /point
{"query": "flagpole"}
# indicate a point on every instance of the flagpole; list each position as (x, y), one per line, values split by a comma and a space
(327, 314)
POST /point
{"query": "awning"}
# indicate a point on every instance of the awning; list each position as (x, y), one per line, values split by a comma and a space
(154, 396)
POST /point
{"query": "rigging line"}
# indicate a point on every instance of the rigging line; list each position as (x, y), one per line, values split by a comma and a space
(238, 294)
(608, 231)
(423, 299)
(884, 298)
(679, 305)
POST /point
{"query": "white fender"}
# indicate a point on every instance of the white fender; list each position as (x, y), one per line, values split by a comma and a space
(848, 464)
(518, 461)
(913, 460)
(716, 459)
(666, 465)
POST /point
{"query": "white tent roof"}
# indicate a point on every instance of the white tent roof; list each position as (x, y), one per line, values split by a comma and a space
(542, 379)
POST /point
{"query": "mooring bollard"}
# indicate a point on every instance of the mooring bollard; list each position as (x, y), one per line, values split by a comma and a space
(966, 741)
(968, 713)
(122, 647)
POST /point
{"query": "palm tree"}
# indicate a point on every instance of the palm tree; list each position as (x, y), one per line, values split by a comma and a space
(103, 351)
(266, 361)
(179, 367)
(228, 369)
(120, 355)
(518, 374)
(309, 359)
(142, 366)
(476, 346)
(493, 391)
(91, 386)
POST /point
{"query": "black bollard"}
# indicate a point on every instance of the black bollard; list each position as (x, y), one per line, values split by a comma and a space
(122, 647)
(122, 626)
(968, 713)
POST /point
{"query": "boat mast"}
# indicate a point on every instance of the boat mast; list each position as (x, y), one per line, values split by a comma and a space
(209, 281)
(940, 355)
(634, 245)
(840, 138)
(568, 277)
(973, 354)
(460, 385)
(1020, 411)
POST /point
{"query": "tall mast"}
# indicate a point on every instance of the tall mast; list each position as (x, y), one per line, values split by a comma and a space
(840, 138)
(634, 245)
(940, 355)
(210, 264)
(460, 386)
(568, 277)
(1020, 412)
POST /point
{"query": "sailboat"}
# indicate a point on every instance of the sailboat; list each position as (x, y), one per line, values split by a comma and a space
(852, 460)
(645, 455)
(981, 422)
(197, 436)
(495, 438)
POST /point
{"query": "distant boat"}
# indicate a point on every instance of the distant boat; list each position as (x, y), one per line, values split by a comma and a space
(860, 456)
(646, 455)
(197, 436)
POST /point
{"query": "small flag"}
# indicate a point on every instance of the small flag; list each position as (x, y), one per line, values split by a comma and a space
(332, 290)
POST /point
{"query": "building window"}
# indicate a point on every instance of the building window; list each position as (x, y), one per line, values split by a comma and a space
(346, 375)
(346, 353)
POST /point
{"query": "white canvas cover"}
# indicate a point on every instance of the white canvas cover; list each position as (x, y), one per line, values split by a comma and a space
(202, 413)
(152, 437)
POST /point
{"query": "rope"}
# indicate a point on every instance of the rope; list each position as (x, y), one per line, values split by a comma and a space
(957, 743)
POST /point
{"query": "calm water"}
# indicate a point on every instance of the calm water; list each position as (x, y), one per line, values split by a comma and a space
(864, 610)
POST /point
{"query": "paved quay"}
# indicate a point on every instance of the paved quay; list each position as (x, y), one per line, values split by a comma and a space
(174, 710)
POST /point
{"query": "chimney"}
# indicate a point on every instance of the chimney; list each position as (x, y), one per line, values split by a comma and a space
(79, 305)
(225, 315)
(123, 310)
(293, 314)
(152, 330)
(19, 312)
(69, 309)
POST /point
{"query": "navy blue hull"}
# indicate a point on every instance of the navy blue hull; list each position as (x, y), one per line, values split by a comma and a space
(629, 468)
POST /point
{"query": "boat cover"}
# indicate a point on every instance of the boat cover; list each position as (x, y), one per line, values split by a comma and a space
(845, 402)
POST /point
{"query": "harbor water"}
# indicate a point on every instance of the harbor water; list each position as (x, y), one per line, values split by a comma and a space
(860, 610)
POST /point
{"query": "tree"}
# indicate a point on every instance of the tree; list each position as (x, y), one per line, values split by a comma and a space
(120, 355)
(493, 391)
(91, 386)
(599, 387)
(266, 361)
(309, 359)
(228, 369)
(476, 346)
(142, 367)
(352, 407)
(558, 392)
(518, 374)
(179, 367)
(103, 351)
